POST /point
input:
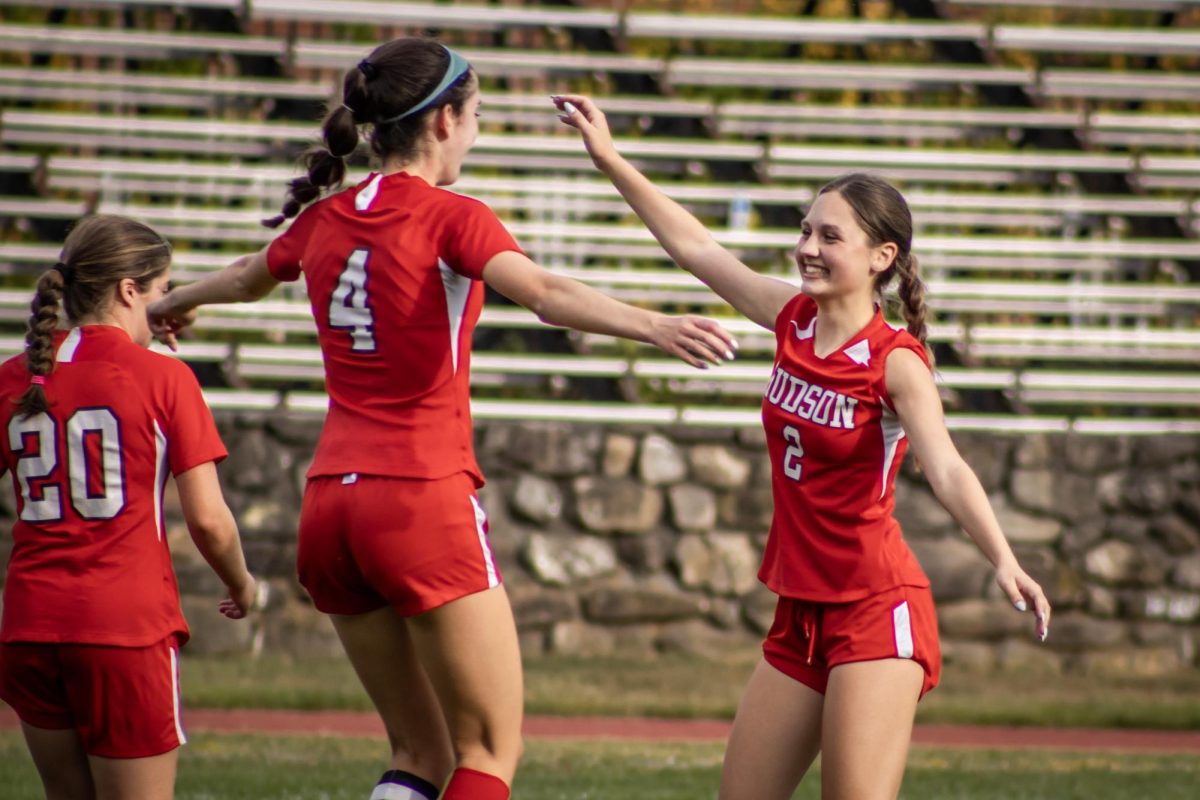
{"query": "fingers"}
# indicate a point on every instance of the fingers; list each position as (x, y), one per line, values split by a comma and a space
(1023, 592)
(718, 336)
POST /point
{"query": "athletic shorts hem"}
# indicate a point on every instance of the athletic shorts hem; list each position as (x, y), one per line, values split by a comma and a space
(411, 609)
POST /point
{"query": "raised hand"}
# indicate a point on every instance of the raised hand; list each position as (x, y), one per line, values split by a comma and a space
(585, 116)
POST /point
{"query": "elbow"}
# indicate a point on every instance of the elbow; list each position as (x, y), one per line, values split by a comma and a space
(213, 527)
(945, 477)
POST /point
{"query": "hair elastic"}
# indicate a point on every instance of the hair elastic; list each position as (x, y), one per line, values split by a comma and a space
(38, 380)
(369, 70)
(454, 70)
(348, 108)
(65, 270)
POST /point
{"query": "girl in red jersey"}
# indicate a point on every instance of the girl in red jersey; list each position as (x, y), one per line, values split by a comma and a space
(95, 421)
(854, 642)
(393, 542)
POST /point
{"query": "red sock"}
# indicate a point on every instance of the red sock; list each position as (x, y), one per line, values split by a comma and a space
(471, 784)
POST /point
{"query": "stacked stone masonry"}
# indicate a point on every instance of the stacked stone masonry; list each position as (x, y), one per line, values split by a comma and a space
(638, 539)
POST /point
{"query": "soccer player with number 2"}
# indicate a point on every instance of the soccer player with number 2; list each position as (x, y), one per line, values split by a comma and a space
(854, 642)
(94, 424)
(393, 541)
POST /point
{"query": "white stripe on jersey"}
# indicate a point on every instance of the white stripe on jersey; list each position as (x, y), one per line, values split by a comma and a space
(458, 288)
(160, 476)
(893, 432)
(66, 350)
(481, 530)
(366, 196)
(902, 628)
(175, 695)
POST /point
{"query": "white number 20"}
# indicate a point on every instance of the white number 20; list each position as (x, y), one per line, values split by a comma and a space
(349, 308)
(90, 501)
(793, 454)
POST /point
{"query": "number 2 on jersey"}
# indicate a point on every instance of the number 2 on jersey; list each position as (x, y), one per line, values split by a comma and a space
(89, 503)
(349, 307)
(793, 454)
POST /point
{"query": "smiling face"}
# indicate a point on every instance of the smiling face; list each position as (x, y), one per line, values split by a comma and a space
(835, 255)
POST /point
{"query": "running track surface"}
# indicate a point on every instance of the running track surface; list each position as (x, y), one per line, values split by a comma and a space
(352, 723)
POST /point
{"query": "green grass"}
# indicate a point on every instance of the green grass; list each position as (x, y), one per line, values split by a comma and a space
(688, 687)
(332, 768)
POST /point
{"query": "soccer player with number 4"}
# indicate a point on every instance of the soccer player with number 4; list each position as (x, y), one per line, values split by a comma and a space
(95, 423)
(854, 642)
(393, 541)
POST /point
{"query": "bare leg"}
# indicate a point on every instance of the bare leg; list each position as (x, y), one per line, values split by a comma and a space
(61, 763)
(869, 710)
(776, 735)
(151, 778)
(469, 649)
(381, 650)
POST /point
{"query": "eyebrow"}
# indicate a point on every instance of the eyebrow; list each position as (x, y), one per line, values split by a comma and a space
(827, 226)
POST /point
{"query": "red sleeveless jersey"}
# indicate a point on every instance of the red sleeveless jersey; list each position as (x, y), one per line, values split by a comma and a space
(835, 445)
(90, 563)
(393, 269)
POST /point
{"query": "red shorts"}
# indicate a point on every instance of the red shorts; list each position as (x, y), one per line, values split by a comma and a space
(122, 701)
(807, 640)
(368, 541)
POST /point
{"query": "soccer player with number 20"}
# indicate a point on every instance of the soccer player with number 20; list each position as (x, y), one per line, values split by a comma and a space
(94, 425)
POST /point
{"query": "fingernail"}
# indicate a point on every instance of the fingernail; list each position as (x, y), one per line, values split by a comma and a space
(1045, 633)
(729, 354)
(569, 107)
(735, 344)
(1020, 604)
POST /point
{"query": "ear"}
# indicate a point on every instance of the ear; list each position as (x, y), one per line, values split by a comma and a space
(884, 256)
(444, 121)
(127, 292)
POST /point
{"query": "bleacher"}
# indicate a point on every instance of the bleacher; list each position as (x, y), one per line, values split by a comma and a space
(1052, 170)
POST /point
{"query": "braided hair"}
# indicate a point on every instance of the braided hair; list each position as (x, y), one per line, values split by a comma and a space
(100, 252)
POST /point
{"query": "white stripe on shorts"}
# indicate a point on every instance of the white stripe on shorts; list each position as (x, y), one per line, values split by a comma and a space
(902, 628)
(175, 694)
(481, 530)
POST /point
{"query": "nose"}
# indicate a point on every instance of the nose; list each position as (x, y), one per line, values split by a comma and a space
(806, 248)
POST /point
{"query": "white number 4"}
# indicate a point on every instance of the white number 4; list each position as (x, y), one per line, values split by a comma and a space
(349, 308)
(792, 456)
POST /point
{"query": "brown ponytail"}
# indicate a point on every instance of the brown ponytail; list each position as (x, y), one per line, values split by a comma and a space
(100, 252)
(912, 299)
(393, 78)
(39, 340)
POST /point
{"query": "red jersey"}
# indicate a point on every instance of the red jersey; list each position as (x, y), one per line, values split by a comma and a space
(90, 563)
(393, 269)
(835, 444)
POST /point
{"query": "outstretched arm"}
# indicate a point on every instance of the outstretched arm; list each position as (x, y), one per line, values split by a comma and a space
(686, 240)
(245, 280)
(567, 302)
(955, 485)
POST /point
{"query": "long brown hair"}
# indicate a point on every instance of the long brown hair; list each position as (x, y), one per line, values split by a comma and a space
(395, 77)
(884, 215)
(99, 253)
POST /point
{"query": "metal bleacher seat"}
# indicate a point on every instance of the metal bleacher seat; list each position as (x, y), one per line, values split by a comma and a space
(69, 40)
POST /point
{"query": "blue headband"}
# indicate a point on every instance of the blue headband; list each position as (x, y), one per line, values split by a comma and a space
(457, 67)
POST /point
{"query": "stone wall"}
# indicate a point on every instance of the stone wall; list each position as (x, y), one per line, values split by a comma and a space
(639, 539)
